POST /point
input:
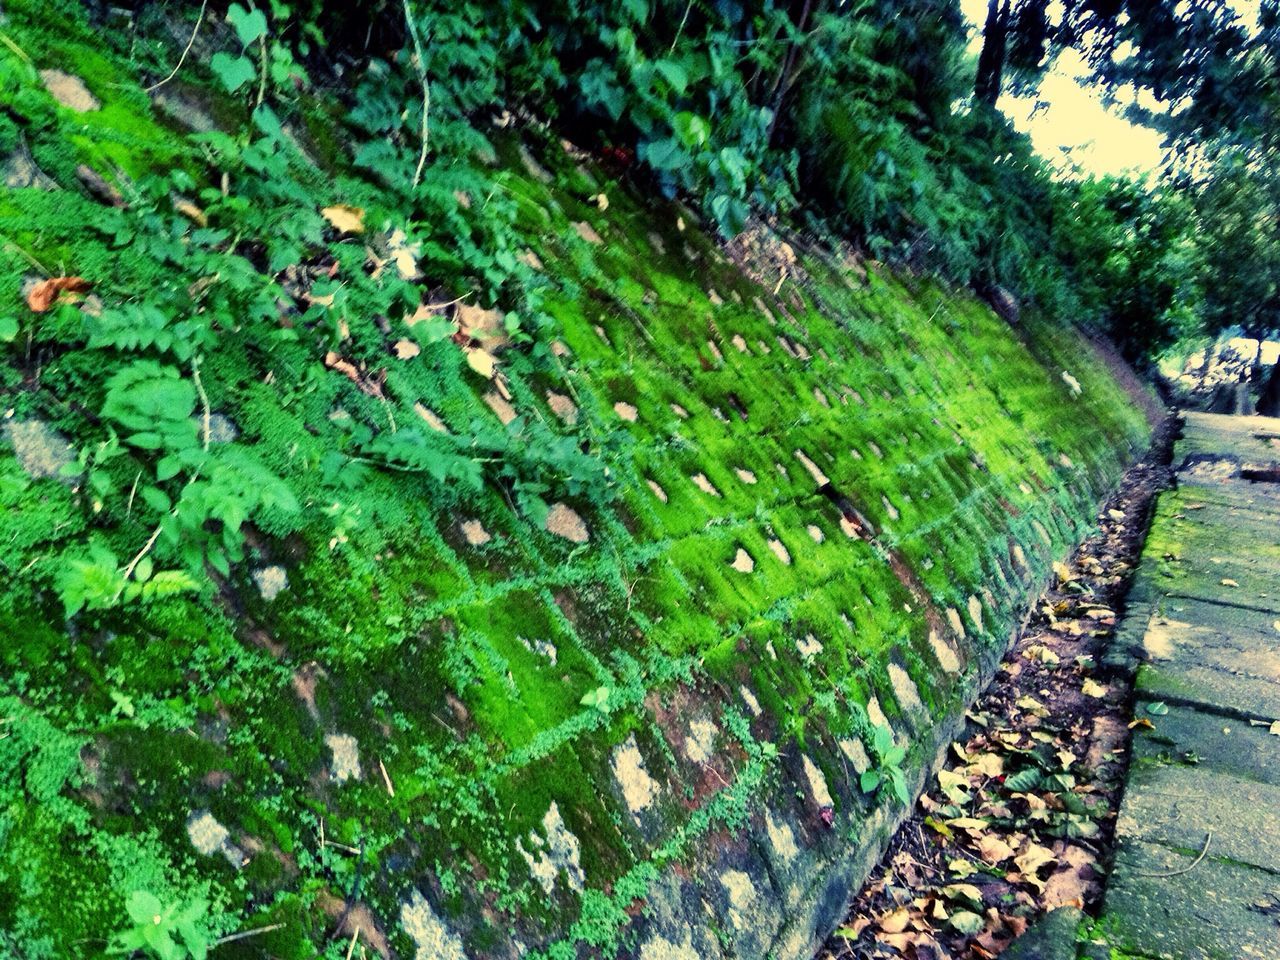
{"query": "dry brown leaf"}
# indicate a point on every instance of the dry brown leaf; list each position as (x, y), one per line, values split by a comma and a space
(345, 218)
(45, 294)
(895, 921)
(993, 849)
(191, 212)
(1033, 858)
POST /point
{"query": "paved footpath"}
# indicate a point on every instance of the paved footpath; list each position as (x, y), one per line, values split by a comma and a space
(1197, 871)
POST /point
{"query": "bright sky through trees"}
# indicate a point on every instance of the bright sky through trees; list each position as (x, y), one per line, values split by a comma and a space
(1071, 125)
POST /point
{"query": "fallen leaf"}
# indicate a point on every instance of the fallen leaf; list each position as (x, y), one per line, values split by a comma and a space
(1158, 708)
(1274, 729)
(1228, 582)
(989, 764)
(191, 212)
(45, 293)
(1033, 706)
(854, 930)
(1091, 688)
(967, 923)
(1033, 858)
(895, 921)
(1142, 723)
(345, 218)
(993, 849)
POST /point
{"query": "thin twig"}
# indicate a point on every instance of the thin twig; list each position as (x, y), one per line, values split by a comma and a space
(1187, 869)
(204, 400)
(426, 91)
(262, 81)
(680, 29)
(182, 59)
(386, 779)
(245, 935)
(354, 937)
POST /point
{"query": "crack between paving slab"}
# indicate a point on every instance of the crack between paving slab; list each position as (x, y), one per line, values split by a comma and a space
(1217, 710)
(1188, 852)
(1218, 602)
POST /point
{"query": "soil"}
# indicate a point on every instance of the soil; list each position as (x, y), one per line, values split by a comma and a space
(1020, 817)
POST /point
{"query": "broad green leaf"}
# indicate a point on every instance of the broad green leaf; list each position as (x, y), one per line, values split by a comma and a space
(249, 25)
(232, 72)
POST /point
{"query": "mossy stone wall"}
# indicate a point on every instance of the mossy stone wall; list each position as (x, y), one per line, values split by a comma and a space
(632, 722)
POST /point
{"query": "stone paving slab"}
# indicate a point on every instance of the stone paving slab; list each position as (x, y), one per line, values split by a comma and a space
(1211, 650)
(1205, 912)
(1177, 806)
(1230, 746)
(1252, 440)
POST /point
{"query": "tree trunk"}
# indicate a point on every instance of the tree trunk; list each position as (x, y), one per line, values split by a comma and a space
(995, 42)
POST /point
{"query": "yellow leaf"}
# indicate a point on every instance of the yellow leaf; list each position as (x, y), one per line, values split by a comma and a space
(968, 823)
(989, 764)
(345, 218)
(1228, 582)
(191, 212)
(1091, 688)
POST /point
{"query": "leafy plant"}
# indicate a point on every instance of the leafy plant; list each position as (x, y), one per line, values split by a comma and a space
(886, 774)
(165, 931)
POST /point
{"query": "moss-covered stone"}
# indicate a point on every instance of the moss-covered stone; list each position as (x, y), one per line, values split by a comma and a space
(589, 728)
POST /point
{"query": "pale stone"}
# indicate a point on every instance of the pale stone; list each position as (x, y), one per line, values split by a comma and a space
(40, 450)
(702, 483)
(271, 581)
(739, 343)
(817, 783)
(975, 613)
(742, 897)
(660, 948)
(889, 508)
(562, 407)
(816, 533)
(626, 411)
(904, 689)
(715, 298)
(809, 646)
(346, 756)
(680, 411)
(856, 754)
(431, 938)
(957, 625)
(780, 551)
(875, 714)
(559, 852)
(715, 351)
(820, 478)
(750, 700)
(945, 654)
(536, 170)
(207, 835)
(639, 790)
(475, 533)
(501, 408)
(781, 837)
(746, 476)
(587, 232)
(657, 490)
(700, 742)
(429, 415)
(69, 91)
(821, 397)
(742, 561)
(563, 521)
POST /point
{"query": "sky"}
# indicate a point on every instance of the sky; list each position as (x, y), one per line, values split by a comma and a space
(1074, 126)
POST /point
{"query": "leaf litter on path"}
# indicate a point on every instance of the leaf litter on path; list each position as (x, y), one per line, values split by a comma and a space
(1021, 814)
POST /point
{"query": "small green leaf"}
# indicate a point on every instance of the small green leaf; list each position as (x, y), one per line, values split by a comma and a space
(234, 72)
(967, 923)
(250, 24)
(8, 329)
(1157, 708)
